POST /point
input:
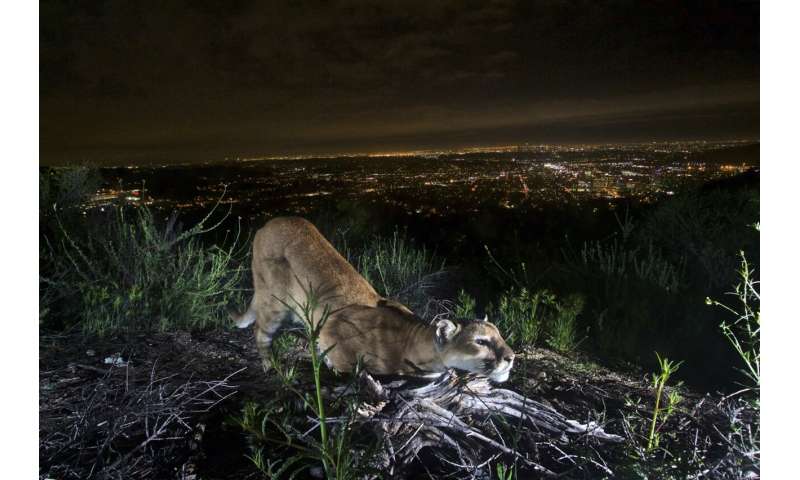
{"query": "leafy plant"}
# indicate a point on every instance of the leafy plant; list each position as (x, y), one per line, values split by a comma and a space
(271, 424)
(397, 269)
(307, 311)
(662, 413)
(520, 315)
(703, 229)
(744, 332)
(562, 335)
(650, 437)
(465, 305)
(618, 258)
(134, 275)
(505, 472)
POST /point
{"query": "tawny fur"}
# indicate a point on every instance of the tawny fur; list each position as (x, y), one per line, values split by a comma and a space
(289, 255)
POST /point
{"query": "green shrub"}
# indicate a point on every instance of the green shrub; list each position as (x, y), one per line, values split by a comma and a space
(631, 291)
(399, 270)
(652, 437)
(465, 306)
(65, 189)
(562, 328)
(523, 316)
(705, 229)
(744, 332)
(620, 259)
(130, 275)
(62, 194)
(520, 315)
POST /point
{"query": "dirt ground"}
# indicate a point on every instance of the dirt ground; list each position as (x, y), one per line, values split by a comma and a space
(74, 370)
(97, 418)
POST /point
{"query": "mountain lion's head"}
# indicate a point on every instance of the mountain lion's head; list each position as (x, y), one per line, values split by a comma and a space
(475, 346)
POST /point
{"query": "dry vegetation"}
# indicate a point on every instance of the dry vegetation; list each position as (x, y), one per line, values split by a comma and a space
(99, 420)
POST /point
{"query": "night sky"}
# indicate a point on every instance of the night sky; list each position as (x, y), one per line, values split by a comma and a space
(127, 82)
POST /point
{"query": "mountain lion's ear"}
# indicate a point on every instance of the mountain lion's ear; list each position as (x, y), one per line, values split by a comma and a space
(445, 331)
(484, 319)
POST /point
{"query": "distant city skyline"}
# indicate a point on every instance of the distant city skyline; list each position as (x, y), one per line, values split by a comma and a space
(667, 145)
(497, 148)
(433, 185)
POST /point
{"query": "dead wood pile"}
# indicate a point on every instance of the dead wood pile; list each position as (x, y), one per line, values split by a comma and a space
(468, 423)
(119, 425)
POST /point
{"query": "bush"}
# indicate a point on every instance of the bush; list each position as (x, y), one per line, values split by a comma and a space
(523, 316)
(66, 189)
(562, 329)
(520, 315)
(62, 194)
(399, 270)
(464, 306)
(631, 289)
(132, 275)
(705, 229)
(620, 259)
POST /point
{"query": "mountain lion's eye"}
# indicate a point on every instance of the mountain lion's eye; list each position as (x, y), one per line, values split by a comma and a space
(482, 342)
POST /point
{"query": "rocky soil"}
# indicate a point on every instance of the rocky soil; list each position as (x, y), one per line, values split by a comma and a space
(159, 406)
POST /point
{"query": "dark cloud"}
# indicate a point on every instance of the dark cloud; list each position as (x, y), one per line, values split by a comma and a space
(121, 80)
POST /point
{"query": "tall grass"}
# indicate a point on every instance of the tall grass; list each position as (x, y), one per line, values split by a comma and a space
(398, 269)
(133, 274)
(620, 258)
(705, 230)
(617, 261)
(464, 306)
(562, 328)
(630, 286)
(523, 317)
(520, 315)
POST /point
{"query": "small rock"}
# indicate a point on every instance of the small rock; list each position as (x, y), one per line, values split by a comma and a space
(115, 360)
(90, 352)
(183, 339)
(316, 472)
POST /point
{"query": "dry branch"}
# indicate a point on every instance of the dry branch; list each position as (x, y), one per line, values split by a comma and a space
(109, 427)
(468, 423)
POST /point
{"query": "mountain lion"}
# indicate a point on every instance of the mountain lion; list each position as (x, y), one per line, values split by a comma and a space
(290, 256)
